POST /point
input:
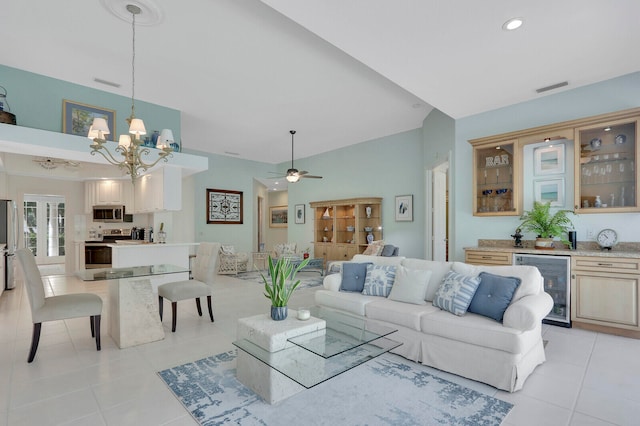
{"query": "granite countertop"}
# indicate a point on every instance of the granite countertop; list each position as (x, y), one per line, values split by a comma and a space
(631, 250)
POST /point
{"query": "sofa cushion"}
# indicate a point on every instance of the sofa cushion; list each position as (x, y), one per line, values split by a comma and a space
(455, 292)
(375, 248)
(438, 271)
(410, 285)
(379, 280)
(379, 260)
(388, 250)
(353, 303)
(398, 313)
(481, 331)
(532, 281)
(353, 275)
(493, 295)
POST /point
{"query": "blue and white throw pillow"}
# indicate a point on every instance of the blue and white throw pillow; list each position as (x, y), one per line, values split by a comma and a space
(379, 280)
(455, 292)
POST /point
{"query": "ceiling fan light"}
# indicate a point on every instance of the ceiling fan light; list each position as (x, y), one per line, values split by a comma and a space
(293, 178)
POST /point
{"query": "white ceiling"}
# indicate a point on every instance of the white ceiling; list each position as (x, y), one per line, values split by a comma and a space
(339, 72)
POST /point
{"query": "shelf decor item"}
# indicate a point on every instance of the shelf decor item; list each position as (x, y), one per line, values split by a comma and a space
(278, 217)
(549, 160)
(546, 226)
(280, 284)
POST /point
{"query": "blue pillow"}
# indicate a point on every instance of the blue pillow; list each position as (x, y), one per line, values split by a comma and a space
(353, 275)
(455, 292)
(494, 295)
(379, 280)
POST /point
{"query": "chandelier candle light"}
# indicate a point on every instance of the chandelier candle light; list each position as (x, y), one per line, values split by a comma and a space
(129, 145)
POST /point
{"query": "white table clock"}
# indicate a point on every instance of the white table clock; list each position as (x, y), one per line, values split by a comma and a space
(607, 238)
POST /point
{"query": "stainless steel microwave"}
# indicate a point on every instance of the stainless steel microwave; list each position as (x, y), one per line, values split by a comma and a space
(108, 213)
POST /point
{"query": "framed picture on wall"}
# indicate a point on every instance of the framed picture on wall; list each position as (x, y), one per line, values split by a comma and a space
(224, 206)
(278, 216)
(404, 208)
(549, 160)
(77, 118)
(299, 212)
(551, 190)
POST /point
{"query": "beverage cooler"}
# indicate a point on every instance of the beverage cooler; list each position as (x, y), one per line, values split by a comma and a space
(555, 270)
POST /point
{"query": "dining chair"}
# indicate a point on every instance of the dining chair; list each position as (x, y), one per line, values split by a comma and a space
(204, 270)
(55, 308)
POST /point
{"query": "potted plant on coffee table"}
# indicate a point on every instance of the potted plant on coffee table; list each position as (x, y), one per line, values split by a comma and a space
(546, 226)
(281, 284)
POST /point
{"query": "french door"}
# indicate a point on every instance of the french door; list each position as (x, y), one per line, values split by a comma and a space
(44, 227)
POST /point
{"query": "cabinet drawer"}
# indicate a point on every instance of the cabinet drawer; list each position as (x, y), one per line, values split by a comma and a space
(479, 257)
(609, 264)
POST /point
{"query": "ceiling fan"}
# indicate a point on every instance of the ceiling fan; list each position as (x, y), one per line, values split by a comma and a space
(52, 163)
(293, 175)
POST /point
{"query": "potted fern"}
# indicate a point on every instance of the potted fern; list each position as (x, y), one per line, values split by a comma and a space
(281, 284)
(546, 226)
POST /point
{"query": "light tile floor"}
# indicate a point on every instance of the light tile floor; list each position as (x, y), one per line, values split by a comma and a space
(588, 379)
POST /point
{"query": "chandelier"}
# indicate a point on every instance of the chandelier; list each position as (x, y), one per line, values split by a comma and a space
(130, 148)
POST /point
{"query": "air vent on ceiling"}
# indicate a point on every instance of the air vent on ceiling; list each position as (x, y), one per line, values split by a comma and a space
(552, 87)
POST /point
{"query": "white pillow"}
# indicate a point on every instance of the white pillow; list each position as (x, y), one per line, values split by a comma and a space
(410, 285)
(228, 249)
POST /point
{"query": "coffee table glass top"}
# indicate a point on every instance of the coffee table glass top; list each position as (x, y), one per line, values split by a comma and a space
(348, 341)
(343, 333)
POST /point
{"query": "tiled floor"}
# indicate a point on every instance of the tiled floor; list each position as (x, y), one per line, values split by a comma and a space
(588, 379)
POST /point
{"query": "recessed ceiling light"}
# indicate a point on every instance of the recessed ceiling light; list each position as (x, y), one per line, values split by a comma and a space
(512, 24)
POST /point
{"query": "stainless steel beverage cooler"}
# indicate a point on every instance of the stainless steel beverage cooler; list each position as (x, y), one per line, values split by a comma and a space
(556, 273)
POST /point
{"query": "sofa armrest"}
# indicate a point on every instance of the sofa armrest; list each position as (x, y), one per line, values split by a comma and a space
(527, 312)
(332, 282)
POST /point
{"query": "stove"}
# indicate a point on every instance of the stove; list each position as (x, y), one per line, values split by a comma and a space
(97, 254)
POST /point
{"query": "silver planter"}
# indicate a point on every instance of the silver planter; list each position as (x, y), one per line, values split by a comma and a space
(278, 313)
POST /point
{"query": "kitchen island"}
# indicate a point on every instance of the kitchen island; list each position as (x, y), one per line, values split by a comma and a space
(130, 253)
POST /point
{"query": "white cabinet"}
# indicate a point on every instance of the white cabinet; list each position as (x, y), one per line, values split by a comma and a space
(108, 192)
(159, 190)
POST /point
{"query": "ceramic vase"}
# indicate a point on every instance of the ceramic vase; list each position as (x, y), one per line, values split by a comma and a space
(278, 313)
(369, 238)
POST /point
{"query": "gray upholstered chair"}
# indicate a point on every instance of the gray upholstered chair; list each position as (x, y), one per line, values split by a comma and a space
(56, 307)
(204, 270)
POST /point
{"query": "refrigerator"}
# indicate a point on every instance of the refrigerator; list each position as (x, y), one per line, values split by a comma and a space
(9, 236)
(555, 270)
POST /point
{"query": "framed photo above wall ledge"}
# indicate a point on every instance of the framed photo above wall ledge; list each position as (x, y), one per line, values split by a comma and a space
(224, 207)
(549, 160)
(278, 216)
(404, 208)
(77, 118)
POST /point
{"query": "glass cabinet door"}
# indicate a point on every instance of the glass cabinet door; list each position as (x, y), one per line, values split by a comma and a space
(495, 178)
(606, 169)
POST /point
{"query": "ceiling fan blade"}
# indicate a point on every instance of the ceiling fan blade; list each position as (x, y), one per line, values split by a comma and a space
(310, 177)
(277, 177)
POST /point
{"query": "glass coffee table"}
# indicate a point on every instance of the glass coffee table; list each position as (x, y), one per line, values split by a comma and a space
(280, 358)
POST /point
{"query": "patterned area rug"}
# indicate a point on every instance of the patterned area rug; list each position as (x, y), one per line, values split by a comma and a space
(388, 390)
(307, 279)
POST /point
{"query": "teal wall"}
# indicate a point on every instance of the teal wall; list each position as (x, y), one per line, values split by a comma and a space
(612, 95)
(383, 167)
(36, 101)
(231, 174)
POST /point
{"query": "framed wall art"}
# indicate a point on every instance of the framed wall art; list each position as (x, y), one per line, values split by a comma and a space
(77, 118)
(551, 190)
(224, 206)
(278, 216)
(549, 160)
(404, 208)
(299, 212)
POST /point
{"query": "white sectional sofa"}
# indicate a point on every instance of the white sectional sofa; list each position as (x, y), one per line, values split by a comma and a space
(501, 354)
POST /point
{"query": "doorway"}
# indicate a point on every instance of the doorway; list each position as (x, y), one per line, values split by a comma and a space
(44, 228)
(260, 213)
(438, 221)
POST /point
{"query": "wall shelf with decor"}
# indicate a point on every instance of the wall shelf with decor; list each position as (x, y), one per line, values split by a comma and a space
(341, 227)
